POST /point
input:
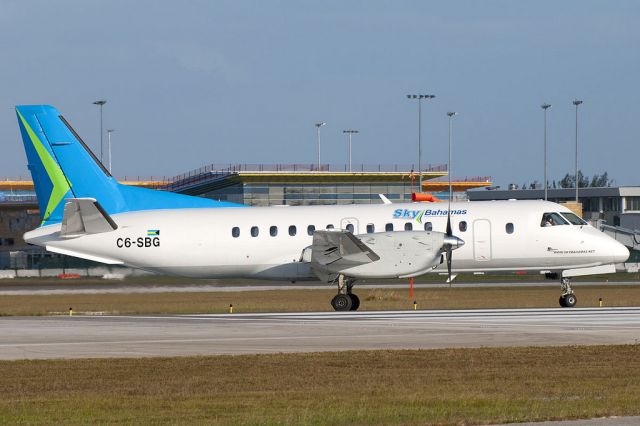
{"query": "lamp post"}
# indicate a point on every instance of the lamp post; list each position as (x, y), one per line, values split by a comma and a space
(100, 103)
(451, 114)
(545, 107)
(420, 98)
(350, 132)
(109, 131)
(318, 125)
(577, 103)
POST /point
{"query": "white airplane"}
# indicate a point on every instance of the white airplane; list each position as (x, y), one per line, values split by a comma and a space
(88, 214)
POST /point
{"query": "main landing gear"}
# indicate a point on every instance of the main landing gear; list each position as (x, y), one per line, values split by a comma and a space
(345, 300)
(568, 299)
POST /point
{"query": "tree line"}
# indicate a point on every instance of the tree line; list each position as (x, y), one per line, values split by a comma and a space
(569, 181)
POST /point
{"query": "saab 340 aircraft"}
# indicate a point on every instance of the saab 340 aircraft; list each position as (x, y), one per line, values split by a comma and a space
(86, 213)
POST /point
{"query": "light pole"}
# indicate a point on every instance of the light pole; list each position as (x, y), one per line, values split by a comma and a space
(545, 107)
(350, 132)
(318, 125)
(109, 131)
(100, 103)
(451, 114)
(577, 103)
(420, 98)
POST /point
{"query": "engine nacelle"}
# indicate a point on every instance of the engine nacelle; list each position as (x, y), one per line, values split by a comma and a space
(399, 255)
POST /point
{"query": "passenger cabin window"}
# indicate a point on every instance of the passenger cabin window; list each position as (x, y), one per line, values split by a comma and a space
(552, 219)
(509, 228)
(254, 231)
(428, 226)
(371, 228)
(311, 229)
(330, 226)
(462, 226)
(388, 227)
(573, 218)
(292, 230)
(273, 231)
(350, 227)
(408, 226)
(235, 232)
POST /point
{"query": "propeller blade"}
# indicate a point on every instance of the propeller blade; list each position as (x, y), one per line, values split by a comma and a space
(449, 253)
(449, 246)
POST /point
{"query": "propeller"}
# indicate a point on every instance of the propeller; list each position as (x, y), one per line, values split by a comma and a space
(450, 242)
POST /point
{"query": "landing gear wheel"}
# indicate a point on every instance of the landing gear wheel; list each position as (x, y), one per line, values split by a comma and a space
(570, 300)
(342, 302)
(355, 302)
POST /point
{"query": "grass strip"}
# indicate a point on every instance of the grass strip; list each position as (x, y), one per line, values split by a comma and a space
(515, 296)
(450, 386)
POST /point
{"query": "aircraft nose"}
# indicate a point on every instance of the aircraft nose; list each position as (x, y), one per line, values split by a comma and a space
(620, 253)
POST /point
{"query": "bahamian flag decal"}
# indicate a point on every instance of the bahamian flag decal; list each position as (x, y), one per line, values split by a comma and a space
(153, 232)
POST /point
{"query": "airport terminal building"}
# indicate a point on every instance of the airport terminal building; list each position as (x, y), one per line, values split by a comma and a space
(304, 184)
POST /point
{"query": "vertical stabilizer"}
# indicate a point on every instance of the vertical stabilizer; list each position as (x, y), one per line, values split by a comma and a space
(62, 166)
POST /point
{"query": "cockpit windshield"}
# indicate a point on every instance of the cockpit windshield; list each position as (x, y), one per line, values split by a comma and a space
(573, 218)
(553, 219)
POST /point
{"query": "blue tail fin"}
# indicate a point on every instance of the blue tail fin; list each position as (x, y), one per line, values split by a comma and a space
(62, 166)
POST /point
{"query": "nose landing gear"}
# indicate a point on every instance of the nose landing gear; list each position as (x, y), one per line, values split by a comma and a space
(568, 298)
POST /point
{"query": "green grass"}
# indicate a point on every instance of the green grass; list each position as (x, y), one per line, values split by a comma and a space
(515, 296)
(452, 386)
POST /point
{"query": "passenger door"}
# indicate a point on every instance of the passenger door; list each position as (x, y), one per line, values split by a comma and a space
(482, 240)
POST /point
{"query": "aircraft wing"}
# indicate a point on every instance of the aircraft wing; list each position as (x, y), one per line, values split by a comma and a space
(85, 216)
(340, 249)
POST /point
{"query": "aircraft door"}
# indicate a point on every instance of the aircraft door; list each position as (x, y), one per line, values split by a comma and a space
(482, 239)
(350, 224)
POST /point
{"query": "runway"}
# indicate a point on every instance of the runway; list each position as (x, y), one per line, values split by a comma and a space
(176, 335)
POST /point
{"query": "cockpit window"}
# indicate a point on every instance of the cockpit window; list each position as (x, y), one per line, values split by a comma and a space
(573, 218)
(552, 219)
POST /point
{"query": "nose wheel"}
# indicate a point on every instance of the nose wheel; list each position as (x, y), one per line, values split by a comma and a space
(568, 298)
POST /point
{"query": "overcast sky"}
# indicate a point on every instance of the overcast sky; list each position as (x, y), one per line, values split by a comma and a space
(198, 82)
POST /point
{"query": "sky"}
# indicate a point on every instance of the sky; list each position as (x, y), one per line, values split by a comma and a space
(193, 83)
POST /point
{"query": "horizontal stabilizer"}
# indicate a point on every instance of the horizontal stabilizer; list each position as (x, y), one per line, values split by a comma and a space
(340, 249)
(85, 216)
(82, 255)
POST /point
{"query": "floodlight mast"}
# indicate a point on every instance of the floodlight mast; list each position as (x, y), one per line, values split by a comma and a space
(350, 132)
(101, 103)
(545, 107)
(420, 97)
(318, 125)
(451, 114)
(577, 103)
(109, 131)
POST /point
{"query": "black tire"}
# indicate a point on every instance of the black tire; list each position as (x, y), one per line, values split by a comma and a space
(562, 302)
(570, 300)
(355, 302)
(341, 302)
